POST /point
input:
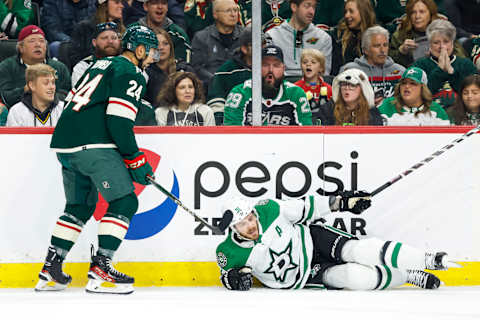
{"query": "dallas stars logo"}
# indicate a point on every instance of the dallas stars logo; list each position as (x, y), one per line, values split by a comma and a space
(281, 263)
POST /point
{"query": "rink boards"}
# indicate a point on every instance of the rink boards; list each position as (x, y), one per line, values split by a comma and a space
(433, 208)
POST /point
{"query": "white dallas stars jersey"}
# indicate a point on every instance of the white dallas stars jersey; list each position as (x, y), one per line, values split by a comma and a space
(280, 257)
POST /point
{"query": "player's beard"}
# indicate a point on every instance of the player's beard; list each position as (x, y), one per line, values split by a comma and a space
(107, 52)
(270, 91)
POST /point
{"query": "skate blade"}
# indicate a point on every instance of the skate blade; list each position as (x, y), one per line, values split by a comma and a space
(100, 286)
(43, 285)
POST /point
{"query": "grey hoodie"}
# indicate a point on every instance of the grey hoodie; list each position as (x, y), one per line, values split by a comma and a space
(313, 37)
(383, 79)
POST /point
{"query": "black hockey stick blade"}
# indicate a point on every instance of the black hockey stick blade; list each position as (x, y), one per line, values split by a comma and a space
(216, 230)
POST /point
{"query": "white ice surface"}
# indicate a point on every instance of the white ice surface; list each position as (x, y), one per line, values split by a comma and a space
(455, 303)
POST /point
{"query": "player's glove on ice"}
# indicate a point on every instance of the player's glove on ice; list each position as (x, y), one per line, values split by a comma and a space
(238, 279)
(138, 167)
(353, 201)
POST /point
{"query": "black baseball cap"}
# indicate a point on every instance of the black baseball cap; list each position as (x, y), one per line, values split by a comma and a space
(104, 27)
(273, 51)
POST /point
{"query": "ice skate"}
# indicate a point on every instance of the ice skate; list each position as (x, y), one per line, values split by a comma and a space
(51, 277)
(439, 261)
(103, 278)
(423, 279)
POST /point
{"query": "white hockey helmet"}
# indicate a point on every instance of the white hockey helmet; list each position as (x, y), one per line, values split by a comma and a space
(235, 210)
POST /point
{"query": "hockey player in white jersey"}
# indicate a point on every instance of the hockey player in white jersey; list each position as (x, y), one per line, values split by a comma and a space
(283, 245)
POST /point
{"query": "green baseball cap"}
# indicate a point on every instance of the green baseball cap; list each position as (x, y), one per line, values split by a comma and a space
(416, 74)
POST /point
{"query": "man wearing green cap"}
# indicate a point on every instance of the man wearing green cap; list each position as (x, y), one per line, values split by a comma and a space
(411, 104)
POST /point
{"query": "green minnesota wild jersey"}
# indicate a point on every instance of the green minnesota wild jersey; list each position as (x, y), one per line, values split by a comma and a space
(289, 108)
(102, 108)
(280, 258)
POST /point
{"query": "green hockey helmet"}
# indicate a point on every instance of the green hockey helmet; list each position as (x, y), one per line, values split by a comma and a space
(137, 35)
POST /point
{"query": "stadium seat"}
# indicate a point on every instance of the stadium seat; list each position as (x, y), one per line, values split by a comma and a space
(64, 54)
(7, 48)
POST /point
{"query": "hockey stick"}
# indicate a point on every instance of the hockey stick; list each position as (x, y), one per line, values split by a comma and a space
(425, 161)
(178, 202)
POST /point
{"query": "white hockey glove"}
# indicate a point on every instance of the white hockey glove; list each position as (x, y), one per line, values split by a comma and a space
(238, 279)
(353, 201)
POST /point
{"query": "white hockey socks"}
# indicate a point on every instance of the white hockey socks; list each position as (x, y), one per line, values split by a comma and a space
(373, 251)
(354, 276)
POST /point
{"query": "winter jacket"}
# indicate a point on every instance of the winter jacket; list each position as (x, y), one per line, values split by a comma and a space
(324, 116)
(181, 42)
(383, 79)
(352, 51)
(411, 116)
(12, 81)
(209, 53)
(444, 86)
(24, 114)
(59, 17)
(313, 37)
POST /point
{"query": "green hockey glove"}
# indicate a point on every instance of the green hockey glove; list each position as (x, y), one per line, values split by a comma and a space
(138, 167)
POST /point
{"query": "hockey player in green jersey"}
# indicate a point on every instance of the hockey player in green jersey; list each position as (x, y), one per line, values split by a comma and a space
(282, 244)
(96, 147)
(283, 103)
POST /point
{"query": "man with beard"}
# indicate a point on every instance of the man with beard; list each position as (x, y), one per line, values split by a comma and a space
(383, 73)
(283, 103)
(106, 42)
(298, 33)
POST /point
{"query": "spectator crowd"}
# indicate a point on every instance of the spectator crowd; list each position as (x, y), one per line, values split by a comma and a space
(324, 62)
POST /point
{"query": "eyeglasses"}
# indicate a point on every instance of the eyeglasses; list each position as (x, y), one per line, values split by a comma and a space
(231, 10)
(299, 39)
(348, 85)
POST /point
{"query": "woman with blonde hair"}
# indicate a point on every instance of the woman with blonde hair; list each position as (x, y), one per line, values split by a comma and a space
(353, 102)
(182, 102)
(412, 103)
(358, 16)
(409, 42)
